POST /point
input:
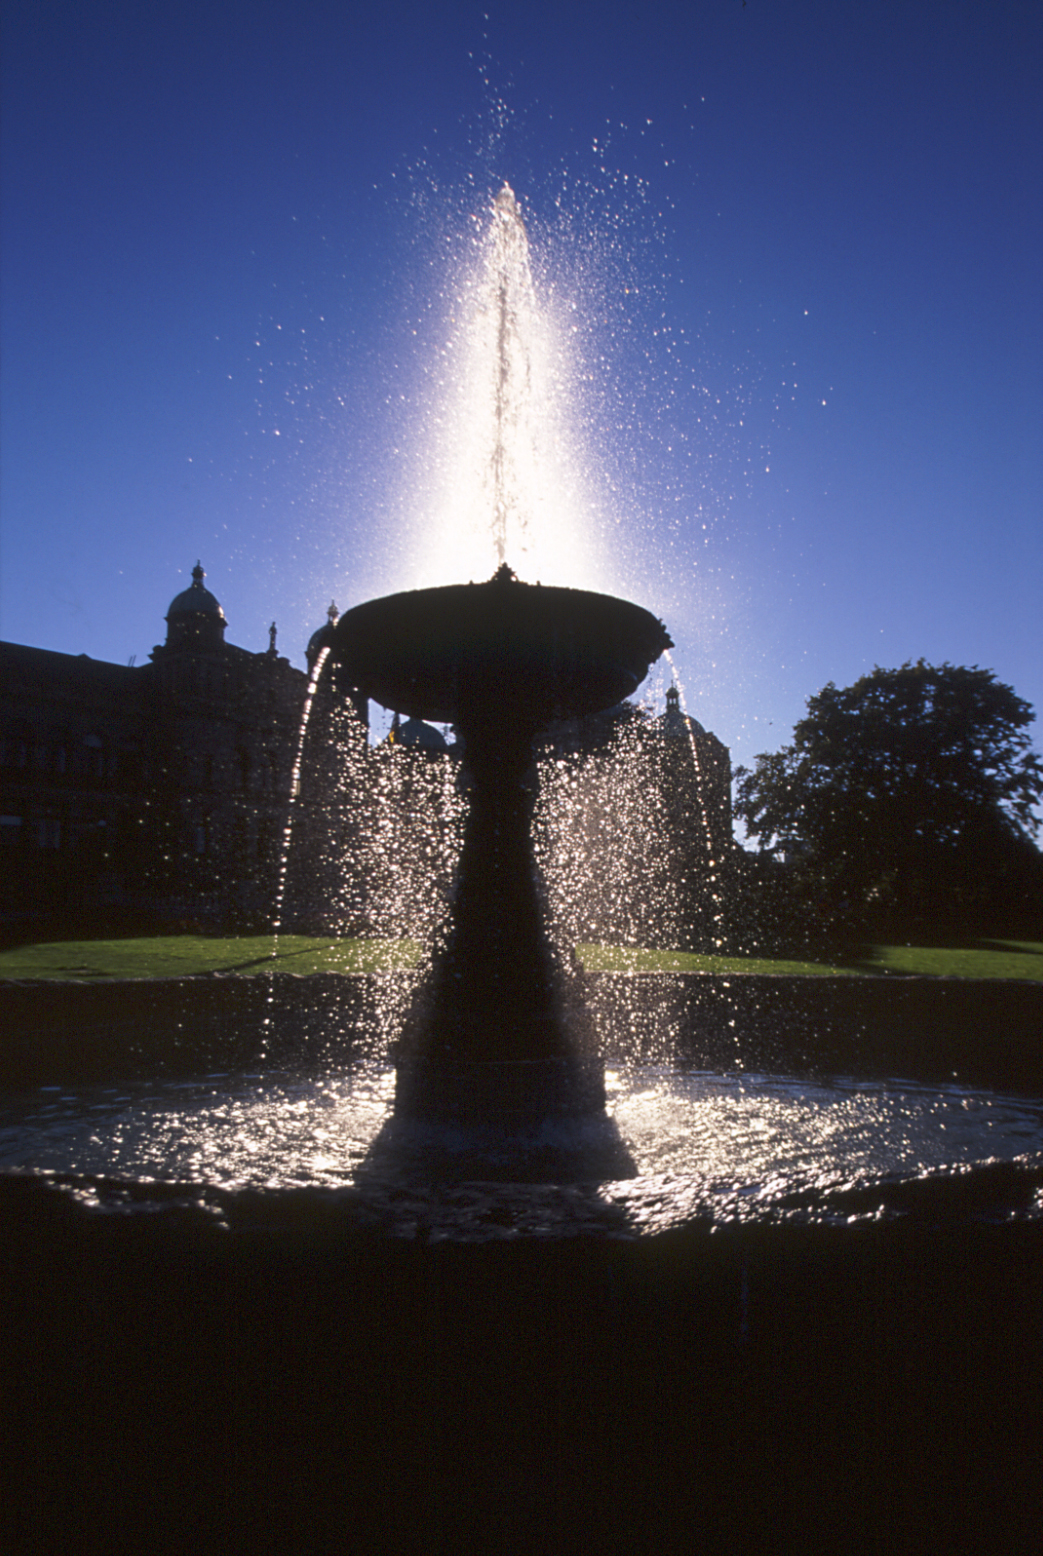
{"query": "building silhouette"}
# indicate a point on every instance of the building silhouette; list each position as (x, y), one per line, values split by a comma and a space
(155, 788)
(160, 795)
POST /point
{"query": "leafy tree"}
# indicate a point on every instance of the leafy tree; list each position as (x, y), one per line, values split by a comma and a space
(912, 791)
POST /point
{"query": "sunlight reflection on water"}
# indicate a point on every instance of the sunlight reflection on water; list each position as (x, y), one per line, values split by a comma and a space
(738, 1131)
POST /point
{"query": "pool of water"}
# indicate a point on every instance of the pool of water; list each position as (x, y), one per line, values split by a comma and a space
(738, 1143)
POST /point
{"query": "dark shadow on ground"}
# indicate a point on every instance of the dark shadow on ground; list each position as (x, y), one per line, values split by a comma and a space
(291, 1385)
(857, 956)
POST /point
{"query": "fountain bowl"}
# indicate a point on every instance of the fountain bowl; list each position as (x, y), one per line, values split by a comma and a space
(543, 653)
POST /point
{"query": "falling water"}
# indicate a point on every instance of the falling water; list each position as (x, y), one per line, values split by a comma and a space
(409, 842)
(295, 788)
(713, 865)
(605, 843)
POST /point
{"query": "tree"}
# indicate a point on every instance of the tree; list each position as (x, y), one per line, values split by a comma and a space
(912, 791)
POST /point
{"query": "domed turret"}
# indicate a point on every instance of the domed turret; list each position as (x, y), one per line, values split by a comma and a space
(415, 735)
(195, 618)
(333, 676)
(673, 721)
(322, 637)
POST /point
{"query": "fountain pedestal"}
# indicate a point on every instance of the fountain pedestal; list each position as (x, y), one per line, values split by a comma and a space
(515, 1093)
(493, 1036)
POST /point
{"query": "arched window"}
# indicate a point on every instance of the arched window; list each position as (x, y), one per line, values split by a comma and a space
(94, 756)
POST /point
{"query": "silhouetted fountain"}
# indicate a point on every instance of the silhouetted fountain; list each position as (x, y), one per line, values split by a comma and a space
(493, 1042)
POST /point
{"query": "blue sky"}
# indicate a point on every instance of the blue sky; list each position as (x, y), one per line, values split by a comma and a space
(803, 239)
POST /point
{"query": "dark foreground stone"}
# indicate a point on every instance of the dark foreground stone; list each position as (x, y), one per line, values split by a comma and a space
(287, 1383)
(187, 1372)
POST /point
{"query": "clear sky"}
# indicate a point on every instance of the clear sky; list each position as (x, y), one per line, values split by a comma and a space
(802, 239)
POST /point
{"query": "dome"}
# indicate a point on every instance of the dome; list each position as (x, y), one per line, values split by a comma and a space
(421, 736)
(196, 601)
(673, 721)
(195, 621)
(418, 736)
(322, 637)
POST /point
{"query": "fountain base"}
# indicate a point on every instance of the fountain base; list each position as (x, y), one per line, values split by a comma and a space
(504, 1092)
(513, 1121)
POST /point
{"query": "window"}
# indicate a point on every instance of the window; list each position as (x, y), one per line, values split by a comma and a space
(94, 757)
(16, 744)
(49, 832)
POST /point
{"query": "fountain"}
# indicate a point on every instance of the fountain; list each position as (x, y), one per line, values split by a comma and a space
(587, 1341)
(493, 1044)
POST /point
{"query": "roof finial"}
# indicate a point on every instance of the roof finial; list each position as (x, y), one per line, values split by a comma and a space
(333, 615)
(271, 638)
(198, 575)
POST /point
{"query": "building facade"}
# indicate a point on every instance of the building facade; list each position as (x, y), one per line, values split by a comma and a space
(160, 788)
(161, 794)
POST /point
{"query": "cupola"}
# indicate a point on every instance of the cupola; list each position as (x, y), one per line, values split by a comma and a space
(195, 618)
(322, 637)
(673, 721)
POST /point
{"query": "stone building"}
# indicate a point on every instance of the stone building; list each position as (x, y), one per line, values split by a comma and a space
(159, 788)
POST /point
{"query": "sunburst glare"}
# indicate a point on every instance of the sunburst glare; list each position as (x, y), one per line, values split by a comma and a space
(505, 469)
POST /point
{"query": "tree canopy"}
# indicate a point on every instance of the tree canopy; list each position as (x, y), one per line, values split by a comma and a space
(914, 788)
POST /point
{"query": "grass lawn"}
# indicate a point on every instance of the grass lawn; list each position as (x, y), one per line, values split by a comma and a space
(169, 956)
(977, 959)
(175, 956)
(630, 959)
